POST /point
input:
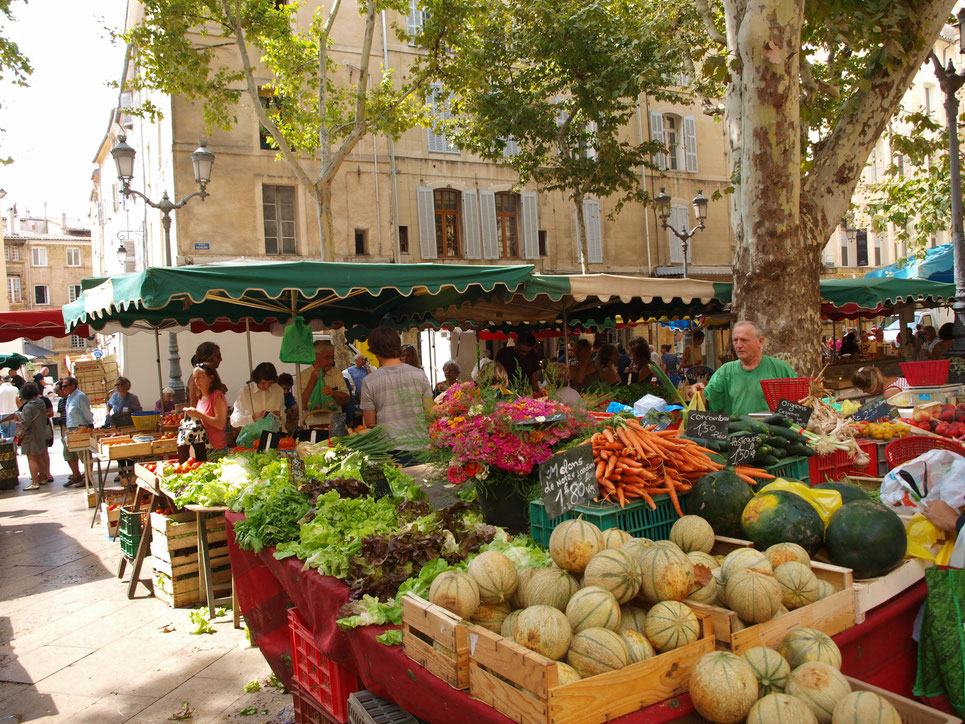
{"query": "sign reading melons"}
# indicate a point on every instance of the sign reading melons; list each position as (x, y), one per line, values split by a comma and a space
(568, 479)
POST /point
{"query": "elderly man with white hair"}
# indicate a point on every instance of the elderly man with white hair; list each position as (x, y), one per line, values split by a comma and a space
(735, 387)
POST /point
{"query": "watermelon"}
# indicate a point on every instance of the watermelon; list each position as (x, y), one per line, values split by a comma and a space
(848, 491)
(719, 498)
(778, 516)
(866, 537)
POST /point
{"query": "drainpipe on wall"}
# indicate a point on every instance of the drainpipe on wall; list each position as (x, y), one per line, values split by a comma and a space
(643, 182)
(395, 184)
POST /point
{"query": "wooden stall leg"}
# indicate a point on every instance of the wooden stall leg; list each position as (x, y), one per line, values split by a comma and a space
(142, 550)
(206, 584)
(235, 606)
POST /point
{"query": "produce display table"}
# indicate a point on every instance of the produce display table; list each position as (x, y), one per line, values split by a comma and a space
(266, 588)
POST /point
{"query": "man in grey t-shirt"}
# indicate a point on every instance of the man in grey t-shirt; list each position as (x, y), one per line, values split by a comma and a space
(396, 394)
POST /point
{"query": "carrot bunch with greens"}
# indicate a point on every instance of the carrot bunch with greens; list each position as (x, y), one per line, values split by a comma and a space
(633, 461)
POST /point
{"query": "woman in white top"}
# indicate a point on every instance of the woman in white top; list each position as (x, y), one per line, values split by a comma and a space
(258, 397)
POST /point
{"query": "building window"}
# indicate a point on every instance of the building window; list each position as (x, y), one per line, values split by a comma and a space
(360, 241)
(541, 235)
(511, 148)
(73, 256)
(877, 254)
(403, 239)
(13, 290)
(46, 343)
(844, 255)
(38, 255)
(11, 253)
(41, 294)
(927, 90)
(446, 205)
(507, 226)
(670, 141)
(414, 21)
(278, 203)
(679, 135)
(73, 291)
(77, 342)
(439, 142)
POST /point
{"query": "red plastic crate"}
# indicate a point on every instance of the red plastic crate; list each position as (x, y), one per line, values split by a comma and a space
(833, 467)
(319, 677)
(790, 388)
(307, 710)
(927, 373)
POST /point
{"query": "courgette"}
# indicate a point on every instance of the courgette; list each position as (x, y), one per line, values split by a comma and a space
(776, 419)
(799, 450)
(767, 461)
(775, 441)
(786, 433)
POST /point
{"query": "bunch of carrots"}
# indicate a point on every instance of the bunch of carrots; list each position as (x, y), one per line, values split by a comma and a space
(633, 461)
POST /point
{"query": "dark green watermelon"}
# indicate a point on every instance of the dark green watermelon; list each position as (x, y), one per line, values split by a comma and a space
(719, 498)
(866, 537)
(848, 491)
(778, 516)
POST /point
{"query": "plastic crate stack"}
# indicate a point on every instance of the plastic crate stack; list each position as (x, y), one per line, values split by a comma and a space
(130, 527)
(837, 465)
(637, 518)
(322, 687)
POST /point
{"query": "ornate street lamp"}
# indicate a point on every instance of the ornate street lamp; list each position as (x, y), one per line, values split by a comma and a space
(662, 201)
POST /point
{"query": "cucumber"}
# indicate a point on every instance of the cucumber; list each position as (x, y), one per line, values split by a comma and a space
(799, 450)
(767, 461)
(775, 441)
(786, 433)
(776, 419)
(767, 450)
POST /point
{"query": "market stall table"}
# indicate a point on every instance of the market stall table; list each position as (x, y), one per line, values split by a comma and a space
(94, 454)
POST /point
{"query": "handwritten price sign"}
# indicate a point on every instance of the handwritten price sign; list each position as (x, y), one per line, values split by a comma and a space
(568, 479)
(708, 425)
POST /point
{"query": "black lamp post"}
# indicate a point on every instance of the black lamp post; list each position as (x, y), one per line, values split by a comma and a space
(662, 200)
(951, 80)
(202, 159)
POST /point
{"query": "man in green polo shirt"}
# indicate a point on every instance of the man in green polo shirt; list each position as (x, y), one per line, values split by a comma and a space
(735, 388)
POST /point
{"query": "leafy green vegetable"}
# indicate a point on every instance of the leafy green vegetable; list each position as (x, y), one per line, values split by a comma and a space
(249, 711)
(201, 623)
(251, 687)
(522, 551)
(392, 637)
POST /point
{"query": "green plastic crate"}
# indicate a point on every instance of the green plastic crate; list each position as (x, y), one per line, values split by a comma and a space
(637, 518)
(793, 468)
(130, 525)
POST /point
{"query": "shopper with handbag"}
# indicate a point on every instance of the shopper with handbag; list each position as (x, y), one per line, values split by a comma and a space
(32, 433)
(211, 411)
(260, 405)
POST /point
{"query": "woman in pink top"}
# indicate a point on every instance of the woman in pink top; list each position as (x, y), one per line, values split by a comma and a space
(212, 408)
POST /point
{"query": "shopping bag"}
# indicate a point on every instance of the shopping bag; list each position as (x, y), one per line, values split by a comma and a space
(934, 475)
(251, 433)
(296, 343)
(825, 502)
(941, 651)
(922, 535)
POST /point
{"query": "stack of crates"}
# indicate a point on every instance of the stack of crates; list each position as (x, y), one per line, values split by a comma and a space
(129, 528)
(92, 381)
(322, 687)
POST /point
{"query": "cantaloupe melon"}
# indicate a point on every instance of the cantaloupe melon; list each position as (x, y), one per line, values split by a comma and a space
(721, 600)
(753, 595)
(522, 575)
(741, 558)
(723, 687)
(825, 589)
(597, 651)
(692, 533)
(495, 575)
(614, 538)
(491, 616)
(593, 607)
(820, 686)
(573, 543)
(615, 571)
(566, 674)
(633, 617)
(666, 574)
(865, 707)
(506, 630)
(699, 558)
(543, 629)
(769, 667)
(799, 587)
(783, 552)
(670, 625)
(638, 645)
(780, 709)
(550, 587)
(455, 591)
(802, 645)
(706, 594)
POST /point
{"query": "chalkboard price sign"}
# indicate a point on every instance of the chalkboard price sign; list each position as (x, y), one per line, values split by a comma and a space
(375, 479)
(742, 449)
(296, 468)
(568, 479)
(708, 425)
(874, 409)
(794, 412)
(336, 425)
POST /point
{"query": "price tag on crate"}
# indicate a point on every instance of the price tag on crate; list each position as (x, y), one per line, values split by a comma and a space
(794, 412)
(875, 409)
(568, 479)
(373, 476)
(708, 425)
(742, 449)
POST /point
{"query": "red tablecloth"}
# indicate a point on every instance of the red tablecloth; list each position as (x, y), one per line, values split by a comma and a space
(879, 651)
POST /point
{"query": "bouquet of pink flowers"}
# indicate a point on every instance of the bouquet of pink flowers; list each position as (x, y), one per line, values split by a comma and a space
(478, 431)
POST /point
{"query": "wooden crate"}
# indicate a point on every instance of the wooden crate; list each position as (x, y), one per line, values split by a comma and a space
(423, 625)
(119, 451)
(833, 614)
(523, 684)
(911, 712)
(873, 592)
(109, 519)
(112, 496)
(78, 440)
(176, 557)
(186, 590)
(164, 447)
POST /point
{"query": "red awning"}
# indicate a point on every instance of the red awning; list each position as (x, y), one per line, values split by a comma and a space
(36, 324)
(853, 311)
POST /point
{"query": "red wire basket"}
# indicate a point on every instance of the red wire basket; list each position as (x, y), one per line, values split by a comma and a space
(929, 373)
(908, 448)
(790, 388)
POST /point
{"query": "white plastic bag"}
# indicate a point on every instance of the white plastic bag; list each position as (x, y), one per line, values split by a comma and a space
(649, 402)
(937, 474)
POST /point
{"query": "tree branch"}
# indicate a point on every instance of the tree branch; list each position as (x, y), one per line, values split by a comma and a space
(703, 7)
(324, 135)
(252, 90)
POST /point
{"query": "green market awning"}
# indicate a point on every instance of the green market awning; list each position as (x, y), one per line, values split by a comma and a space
(330, 293)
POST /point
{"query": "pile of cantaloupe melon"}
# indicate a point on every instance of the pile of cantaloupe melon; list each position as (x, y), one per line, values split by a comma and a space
(800, 684)
(608, 601)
